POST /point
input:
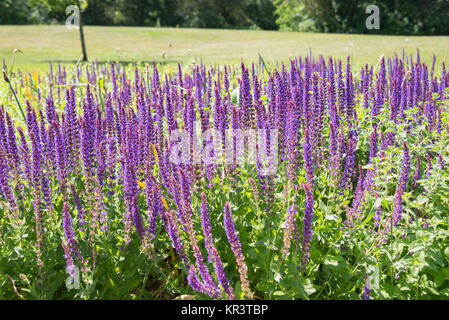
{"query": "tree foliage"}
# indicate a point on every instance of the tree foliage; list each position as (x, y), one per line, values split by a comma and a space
(342, 16)
(348, 16)
(257, 14)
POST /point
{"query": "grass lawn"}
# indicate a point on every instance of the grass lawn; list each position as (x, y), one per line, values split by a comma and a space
(41, 44)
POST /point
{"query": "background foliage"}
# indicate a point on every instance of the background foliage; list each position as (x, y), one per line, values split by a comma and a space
(348, 16)
(343, 16)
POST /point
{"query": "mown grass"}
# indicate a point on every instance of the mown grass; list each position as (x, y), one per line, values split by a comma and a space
(40, 44)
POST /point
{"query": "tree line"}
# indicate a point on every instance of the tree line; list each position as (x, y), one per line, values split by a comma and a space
(342, 16)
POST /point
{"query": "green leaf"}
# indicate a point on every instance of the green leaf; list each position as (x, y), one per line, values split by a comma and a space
(372, 212)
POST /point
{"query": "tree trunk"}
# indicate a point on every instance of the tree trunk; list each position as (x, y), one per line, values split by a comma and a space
(83, 45)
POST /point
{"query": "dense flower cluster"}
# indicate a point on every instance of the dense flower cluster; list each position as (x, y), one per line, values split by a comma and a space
(93, 148)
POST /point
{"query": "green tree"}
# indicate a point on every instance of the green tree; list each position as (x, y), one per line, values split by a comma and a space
(348, 16)
(13, 11)
(60, 6)
(228, 14)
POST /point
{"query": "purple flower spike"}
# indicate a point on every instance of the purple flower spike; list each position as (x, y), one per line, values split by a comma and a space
(289, 227)
(212, 251)
(308, 225)
(236, 248)
(4, 185)
(308, 162)
(69, 235)
(170, 218)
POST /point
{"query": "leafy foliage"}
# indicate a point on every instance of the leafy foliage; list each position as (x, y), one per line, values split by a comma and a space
(343, 16)
(349, 248)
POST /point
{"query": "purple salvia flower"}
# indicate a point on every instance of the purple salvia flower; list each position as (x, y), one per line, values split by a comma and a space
(187, 213)
(289, 227)
(333, 156)
(51, 148)
(226, 79)
(50, 110)
(3, 134)
(307, 153)
(198, 285)
(44, 139)
(221, 275)
(90, 122)
(12, 144)
(101, 207)
(131, 190)
(292, 139)
(109, 115)
(358, 199)
(341, 96)
(403, 98)
(171, 121)
(72, 136)
(334, 116)
(439, 122)
(69, 235)
(373, 143)
(236, 247)
(348, 170)
(31, 121)
(154, 201)
(25, 151)
(194, 282)
(111, 162)
(429, 165)
(4, 184)
(79, 208)
(185, 194)
(207, 229)
(441, 161)
(212, 251)
(308, 225)
(174, 186)
(101, 171)
(245, 101)
(69, 261)
(36, 160)
(377, 216)
(46, 192)
(60, 155)
(417, 174)
(172, 229)
(405, 168)
(85, 149)
(397, 214)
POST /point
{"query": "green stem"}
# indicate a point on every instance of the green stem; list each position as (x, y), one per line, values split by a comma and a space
(264, 65)
(145, 279)
(17, 100)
